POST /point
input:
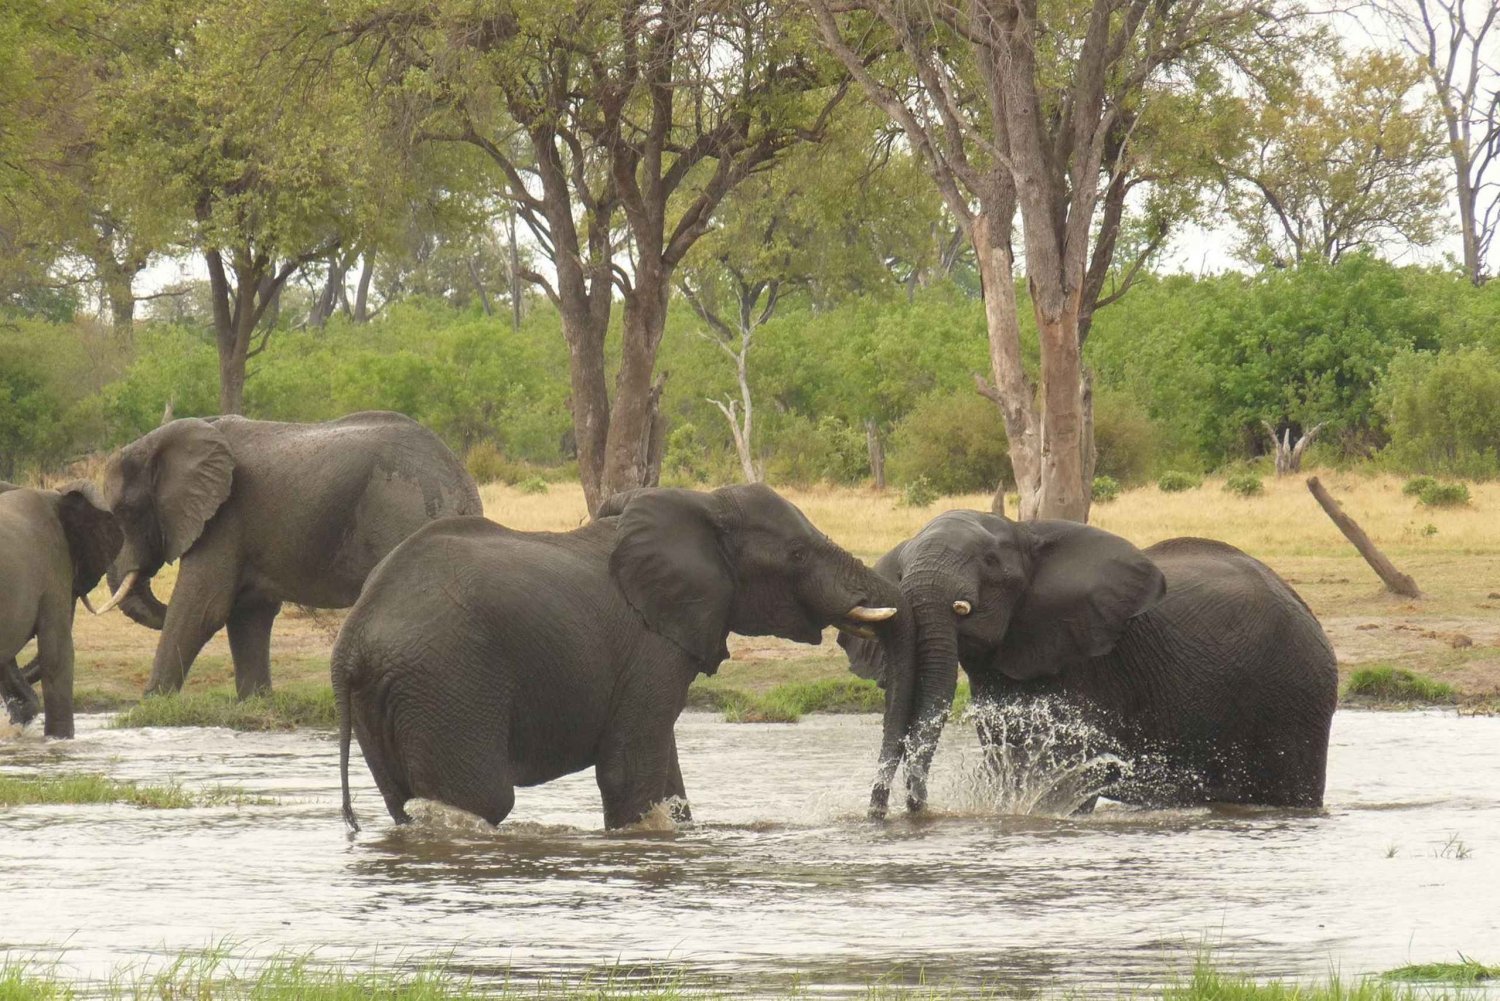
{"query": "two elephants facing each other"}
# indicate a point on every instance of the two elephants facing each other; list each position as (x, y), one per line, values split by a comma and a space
(1190, 654)
(54, 547)
(480, 658)
(260, 513)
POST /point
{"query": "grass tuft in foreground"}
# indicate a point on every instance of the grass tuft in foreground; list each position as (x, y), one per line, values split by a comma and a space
(85, 789)
(282, 709)
(1386, 683)
(1465, 972)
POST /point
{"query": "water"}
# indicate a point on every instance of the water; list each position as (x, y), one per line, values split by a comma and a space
(781, 877)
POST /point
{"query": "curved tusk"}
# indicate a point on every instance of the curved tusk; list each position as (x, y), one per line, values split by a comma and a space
(859, 613)
(119, 596)
(87, 604)
(962, 607)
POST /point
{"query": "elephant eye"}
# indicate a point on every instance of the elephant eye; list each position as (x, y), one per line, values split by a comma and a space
(797, 553)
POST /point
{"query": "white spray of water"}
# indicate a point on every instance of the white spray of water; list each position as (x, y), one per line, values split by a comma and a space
(1045, 760)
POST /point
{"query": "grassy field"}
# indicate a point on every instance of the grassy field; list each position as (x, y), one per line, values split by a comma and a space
(212, 978)
(89, 788)
(1451, 636)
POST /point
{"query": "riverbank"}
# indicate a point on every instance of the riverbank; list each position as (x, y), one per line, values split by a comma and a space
(211, 976)
(1450, 637)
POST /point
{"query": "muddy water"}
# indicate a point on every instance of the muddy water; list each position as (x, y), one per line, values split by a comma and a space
(781, 878)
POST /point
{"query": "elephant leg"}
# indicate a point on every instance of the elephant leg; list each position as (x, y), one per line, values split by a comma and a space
(54, 645)
(20, 700)
(199, 608)
(250, 646)
(676, 793)
(632, 772)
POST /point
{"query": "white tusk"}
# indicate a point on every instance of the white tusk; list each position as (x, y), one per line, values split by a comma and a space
(119, 595)
(962, 607)
(86, 604)
(859, 613)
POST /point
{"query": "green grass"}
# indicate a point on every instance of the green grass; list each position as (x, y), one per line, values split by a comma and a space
(1465, 972)
(283, 709)
(211, 977)
(1386, 683)
(88, 788)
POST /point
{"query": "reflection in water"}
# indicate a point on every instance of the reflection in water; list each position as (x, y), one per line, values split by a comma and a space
(780, 878)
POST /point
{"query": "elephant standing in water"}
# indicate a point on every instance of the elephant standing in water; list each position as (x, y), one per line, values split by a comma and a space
(479, 658)
(1191, 653)
(261, 513)
(54, 546)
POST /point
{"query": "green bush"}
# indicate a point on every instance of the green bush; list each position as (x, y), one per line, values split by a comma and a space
(532, 485)
(1444, 495)
(1126, 440)
(1387, 683)
(1415, 485)
(1106, 489)
(1443, 410)
(1175, 482)
(955, 441)
(918, 493)
(1244, 484)
(829, 450)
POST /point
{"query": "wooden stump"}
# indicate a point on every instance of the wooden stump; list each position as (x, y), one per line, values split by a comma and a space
(1395, 581)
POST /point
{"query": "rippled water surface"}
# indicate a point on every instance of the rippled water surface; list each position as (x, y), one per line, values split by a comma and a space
(780, 878)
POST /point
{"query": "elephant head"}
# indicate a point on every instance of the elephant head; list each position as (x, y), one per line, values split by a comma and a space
(699, 565)
(162, 488)
(1020, 600)
(93, 534)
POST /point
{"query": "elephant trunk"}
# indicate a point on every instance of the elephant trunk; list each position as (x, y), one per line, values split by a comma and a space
(936, 673)
(139, 603)
(900, 685)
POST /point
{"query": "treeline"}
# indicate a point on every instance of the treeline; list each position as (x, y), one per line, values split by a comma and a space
(1401, 366)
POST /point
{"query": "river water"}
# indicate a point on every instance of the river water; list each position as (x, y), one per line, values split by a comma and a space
(780, 880)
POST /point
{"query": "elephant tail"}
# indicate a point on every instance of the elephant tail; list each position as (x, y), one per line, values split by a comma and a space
(341, 703)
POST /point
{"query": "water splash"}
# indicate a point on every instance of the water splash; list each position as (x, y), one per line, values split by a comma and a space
(1043, 759)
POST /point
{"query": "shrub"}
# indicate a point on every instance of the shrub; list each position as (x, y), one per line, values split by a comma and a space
(532, 485)
(1106, 489)
(486, 463)
(918, 493)
(1175, 482)
(1126, 441)
(1443, 411)
(828, 451)
(1387, 683)
(954, 440)
(1444, 495)
(1244, 484)
(1417, 484)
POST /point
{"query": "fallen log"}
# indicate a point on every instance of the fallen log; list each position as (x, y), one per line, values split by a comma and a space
(1395, 581)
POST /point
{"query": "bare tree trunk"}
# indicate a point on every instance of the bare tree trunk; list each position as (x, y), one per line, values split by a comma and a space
(1288, 455)
(484, 297)
(656, 437)
(877, 452)
(630, 413)
(1395, 581)
(1062, 487)
(362, 292)
(1011, 391)
(515, 275)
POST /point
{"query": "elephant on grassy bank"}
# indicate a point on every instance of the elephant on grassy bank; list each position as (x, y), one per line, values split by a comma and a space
(260, 513)
(479, 658)
(1190, 654)
(54, 547)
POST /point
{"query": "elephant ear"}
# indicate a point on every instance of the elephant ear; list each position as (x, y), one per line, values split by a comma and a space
(1085, 587)
(194, 469)
(669, 562)
(94, 537)
(867, 657)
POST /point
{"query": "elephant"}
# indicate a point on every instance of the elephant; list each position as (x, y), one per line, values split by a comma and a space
(480, 658)
(1190, 654)
(54, 548)
(261, 513)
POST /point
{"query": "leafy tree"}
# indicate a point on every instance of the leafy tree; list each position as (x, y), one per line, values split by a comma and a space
(617, 129)
(1443, 410)
(1350, 167)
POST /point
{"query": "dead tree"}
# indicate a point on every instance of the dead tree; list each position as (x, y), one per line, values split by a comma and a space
(1288, 455)
(1395, 581)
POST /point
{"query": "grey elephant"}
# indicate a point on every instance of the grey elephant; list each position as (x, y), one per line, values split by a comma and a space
(260, 513)
(1191, 654)
(479, 658)
(54, 547)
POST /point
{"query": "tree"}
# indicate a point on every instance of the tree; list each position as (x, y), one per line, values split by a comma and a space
(617, 129)
(1453, 42)
(1354, 166)
(243, 151)
(1017, 105)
